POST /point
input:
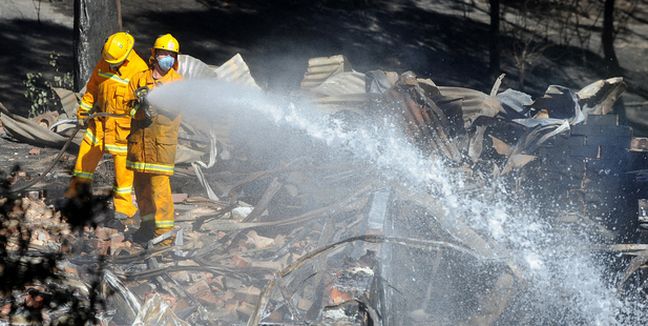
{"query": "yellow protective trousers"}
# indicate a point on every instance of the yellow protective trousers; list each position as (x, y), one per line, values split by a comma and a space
(153, 192)
(90, 153)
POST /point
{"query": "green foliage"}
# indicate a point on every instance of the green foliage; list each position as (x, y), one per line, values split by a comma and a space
(39, 89)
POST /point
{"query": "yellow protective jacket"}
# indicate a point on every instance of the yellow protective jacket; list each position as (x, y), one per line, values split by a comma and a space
(106, 91)
(152, 147)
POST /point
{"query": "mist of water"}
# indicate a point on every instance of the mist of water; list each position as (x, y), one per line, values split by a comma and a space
(563, 286)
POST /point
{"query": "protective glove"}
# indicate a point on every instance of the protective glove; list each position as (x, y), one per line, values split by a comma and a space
(142, 104)
(82, 120)
(83, 123)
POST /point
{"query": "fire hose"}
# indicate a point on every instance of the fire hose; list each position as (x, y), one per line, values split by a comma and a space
(60, 153)
(140, 103)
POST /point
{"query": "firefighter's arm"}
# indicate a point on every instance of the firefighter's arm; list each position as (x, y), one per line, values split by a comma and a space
(131, 98)
(88, 99)
(138, 103)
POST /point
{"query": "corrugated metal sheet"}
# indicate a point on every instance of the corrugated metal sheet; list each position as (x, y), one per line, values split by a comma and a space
(322, 68)
(473, 102)
(341, 84)
(422, 119)
(69, 100)
(234, 70)
(345, 99)
(28, 131)
(190, 67)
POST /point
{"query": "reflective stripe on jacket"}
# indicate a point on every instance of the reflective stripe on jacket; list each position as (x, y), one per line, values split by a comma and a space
(152, 147)
(106, 91)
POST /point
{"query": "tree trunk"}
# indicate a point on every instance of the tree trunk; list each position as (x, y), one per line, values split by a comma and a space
(494, 63)
(94, 21)
(118, 8)
(607, 38)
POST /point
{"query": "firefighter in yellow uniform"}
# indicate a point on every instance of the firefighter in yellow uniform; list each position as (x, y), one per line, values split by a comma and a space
(107, 132)
(153, 140)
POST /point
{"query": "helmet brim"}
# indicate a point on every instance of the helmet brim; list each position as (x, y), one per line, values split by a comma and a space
(129, 42)
(118, 60)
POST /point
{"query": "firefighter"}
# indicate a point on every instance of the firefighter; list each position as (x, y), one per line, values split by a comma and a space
(107, 132)
(152, 142)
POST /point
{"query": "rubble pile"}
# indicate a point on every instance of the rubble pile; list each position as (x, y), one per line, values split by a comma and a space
(215, 272)
(303, 240)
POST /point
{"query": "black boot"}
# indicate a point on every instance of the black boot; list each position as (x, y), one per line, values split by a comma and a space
(132, 222)
(145, 233)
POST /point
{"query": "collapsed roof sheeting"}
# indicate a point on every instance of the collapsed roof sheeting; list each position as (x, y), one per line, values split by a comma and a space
(474, 103)
(350, 82)
(333, 86)
(515, 100)
(378, 81)
(28, 131)
(561, 103)
(69, 100)
(439, 117)
(235, 70)
(599, 96)
(322, 68)
(190, 67)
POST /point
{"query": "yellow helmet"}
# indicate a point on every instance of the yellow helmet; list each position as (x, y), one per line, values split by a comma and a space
(117, 47)
(167, 42)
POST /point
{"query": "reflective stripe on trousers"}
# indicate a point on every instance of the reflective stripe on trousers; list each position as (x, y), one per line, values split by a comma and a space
(86, 163)
(150, 167)
(90, 138)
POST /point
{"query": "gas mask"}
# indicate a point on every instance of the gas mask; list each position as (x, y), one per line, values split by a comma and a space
(166, 62)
